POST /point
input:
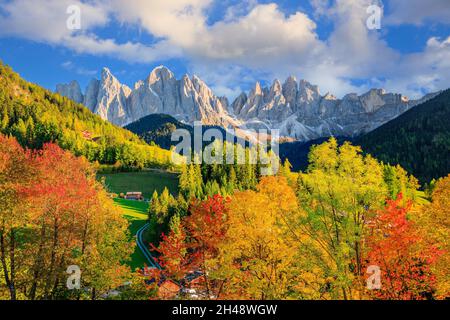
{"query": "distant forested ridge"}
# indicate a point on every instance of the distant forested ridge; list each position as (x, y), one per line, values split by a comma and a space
(297, 152)
(418, 140)
(35, 116)
(157, 129)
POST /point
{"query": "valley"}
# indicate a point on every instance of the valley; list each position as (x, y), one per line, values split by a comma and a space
(137, 212)
(146, 181)
(188, 215)
(199, 151)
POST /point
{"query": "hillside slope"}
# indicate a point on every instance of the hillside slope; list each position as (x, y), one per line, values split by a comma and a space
(297, 152)
(35, 116)
(157, 128)
(418, 140)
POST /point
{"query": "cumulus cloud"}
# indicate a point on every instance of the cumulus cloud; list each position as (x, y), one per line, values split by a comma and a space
(423, 72)
(129, 51)
(260, 35)
(418, 11)
(46, 21)
(251, 42)
(180, 21)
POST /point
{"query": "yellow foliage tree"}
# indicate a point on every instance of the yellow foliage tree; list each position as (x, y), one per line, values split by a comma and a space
(340, 191)
(257, 256)
(434, 222)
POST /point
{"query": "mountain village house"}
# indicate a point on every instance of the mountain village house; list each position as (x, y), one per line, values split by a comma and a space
(134, 196)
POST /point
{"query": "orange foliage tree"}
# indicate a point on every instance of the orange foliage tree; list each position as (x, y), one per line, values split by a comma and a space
(258, 254)
(16, 171)
(55, 214)
(192, 245)
(433, 220)
(402, 255)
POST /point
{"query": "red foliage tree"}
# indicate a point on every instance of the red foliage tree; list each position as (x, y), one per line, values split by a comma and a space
(206, 226)
(16, 171)
(190, 247)
(402, 255)
(173, 255)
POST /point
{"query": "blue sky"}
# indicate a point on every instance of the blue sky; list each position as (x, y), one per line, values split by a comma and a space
(231, 44)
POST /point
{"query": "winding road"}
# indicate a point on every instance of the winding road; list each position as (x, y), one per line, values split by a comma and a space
(145, 251)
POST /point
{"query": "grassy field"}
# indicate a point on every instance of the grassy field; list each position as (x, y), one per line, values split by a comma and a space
(145, 181)
(136, 213)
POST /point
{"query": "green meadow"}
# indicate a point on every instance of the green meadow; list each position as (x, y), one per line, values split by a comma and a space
(136, 212)
(144, 181)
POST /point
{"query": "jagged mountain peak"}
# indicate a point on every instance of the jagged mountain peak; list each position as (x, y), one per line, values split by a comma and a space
(296, 108)
(257, 89)
(72, 90)
(160, 73)
(291, 78)
(106, 72)
(187, 99)
(305, 85)
(198, 82)
(302, 113)
(276, 86)
(106, 75)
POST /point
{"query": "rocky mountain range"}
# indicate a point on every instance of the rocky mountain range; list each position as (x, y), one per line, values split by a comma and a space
(296, 108)
(187, 99)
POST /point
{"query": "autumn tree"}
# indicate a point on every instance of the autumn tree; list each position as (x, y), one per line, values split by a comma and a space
(433, 221)
(16, 172)
(399, 181)
(402, 255)
(60, 217)
(257, 257)
(207, 226)
(339, 192)
(75, 223)
(173, 253)
(192, 245)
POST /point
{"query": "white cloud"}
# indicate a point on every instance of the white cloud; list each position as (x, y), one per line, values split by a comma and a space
(70, 66)
(252, 42)
(180, 21)
(240, 9)
(45, 20)
(423, 72)
(131, 52)
(255, 38)
(418, 11)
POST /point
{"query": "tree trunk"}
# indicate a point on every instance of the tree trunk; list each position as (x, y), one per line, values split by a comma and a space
(12, 267)
(52, 260)
(9, 284)
(37, 264)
